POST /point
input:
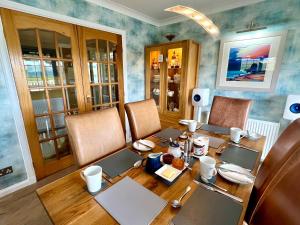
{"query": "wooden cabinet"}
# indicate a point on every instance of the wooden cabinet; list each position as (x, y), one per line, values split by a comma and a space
(171, 75)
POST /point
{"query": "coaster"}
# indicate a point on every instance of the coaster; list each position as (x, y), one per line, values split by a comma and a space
(211, 180)
(104, 185)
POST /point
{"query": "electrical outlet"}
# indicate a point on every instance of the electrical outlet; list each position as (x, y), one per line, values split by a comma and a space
(6, 170)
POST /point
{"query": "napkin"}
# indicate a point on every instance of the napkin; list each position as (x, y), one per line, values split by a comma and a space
(237, 176)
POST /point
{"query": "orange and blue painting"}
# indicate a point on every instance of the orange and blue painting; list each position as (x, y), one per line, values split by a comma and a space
(248, 63)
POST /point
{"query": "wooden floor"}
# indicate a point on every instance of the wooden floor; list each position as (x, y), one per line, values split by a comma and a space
(23, 207)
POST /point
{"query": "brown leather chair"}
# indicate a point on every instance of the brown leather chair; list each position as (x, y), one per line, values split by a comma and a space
(143, 118)
(275, 198)
(229, 112)
(95, 134)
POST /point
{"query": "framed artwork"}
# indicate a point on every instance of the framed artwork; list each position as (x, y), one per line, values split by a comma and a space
(250, 62)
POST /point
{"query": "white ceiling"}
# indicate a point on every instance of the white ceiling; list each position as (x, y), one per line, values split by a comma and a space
(152, 11)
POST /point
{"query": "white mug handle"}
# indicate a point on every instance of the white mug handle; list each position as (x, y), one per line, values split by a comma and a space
(215, 172)
(82, 176)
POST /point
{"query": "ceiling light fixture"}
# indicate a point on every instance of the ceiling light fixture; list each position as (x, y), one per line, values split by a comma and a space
(198, 17)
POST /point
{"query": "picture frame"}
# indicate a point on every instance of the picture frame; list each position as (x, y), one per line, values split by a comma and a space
(250, 62)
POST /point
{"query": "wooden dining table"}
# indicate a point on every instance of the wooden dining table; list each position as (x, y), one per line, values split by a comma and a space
(68, 202)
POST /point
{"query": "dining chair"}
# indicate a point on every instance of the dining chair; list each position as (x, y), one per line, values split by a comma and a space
(275, 197)
(94, 135)
(143, 118)
(229, 112)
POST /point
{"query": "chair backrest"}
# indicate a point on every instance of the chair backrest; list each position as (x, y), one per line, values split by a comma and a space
(143, 118)
(229, 112)
(275, 198)
(95, 134)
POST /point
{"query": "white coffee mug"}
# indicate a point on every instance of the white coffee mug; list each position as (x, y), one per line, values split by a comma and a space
(92, 175)
(207, 167)
(235, 134)
(193, 125)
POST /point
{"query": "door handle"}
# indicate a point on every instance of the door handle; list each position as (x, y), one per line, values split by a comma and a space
(89, 98)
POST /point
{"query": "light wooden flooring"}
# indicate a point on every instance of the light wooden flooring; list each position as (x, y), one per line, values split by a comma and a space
(23, 207)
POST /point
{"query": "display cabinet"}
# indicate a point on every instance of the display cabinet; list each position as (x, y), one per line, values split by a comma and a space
(171, 75)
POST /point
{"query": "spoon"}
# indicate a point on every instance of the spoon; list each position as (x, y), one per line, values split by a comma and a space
(176, 203)
(212, 184)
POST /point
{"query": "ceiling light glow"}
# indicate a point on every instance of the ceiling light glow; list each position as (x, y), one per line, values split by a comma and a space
(198, 17)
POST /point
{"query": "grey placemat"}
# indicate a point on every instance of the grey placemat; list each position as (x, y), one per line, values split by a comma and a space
(213, 141)
(215, 129)
(119, 162)
(207, 207)
(240, 156)
(168, 133)
(130, 203)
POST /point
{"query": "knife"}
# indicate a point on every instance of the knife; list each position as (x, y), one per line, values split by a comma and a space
(242, 146)
(219, 191)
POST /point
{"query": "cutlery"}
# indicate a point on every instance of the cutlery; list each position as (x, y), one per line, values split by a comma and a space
(219, 191)
(212, 184)
(234, 171)
(176, 203)
(242, 146)
(142, 143)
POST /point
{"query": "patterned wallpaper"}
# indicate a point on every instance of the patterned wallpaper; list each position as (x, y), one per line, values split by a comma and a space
(10, 152)
(276, 14)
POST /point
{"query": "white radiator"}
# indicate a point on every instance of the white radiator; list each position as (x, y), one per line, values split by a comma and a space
(266, 128)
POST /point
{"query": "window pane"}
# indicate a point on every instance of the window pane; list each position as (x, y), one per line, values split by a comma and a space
(63, 146)
(95, 95)
(67, 73)
(43, 125)
(105, 94)
(112, 51)
(51, 71)
(39, 102)
(104, 73)
(64, 46)
(91, 49)
(48, 43)
(33, 72)
(59, 120)
(93, 72)
(56, 100)
(71, 98)
(48, 150)
(113, 73)
(102, 44)
(114, 93)
(28, 42)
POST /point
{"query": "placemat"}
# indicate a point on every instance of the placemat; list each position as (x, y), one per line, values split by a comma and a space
(240, 156)
(119, 162)
(130, 203)
(213, 141)
(168, 133)
(207, 207)
(215, 129)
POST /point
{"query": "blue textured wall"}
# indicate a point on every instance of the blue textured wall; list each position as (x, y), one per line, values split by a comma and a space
(10, 152)
(277, 15)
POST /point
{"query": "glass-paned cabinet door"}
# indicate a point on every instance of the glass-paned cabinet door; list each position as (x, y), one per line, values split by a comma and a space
(50, 78)
(174, 76)
(155, 77)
